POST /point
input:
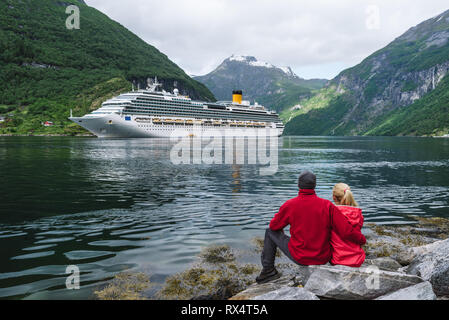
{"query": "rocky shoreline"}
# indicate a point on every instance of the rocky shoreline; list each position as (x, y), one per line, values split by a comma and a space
(404, 262)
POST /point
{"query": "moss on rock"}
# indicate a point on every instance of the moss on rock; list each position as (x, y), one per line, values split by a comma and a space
(125, 286)
(217, 254)
(216, 275)
(395, 241)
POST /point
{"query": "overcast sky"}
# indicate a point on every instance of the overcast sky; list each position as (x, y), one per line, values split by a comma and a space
(316, 38)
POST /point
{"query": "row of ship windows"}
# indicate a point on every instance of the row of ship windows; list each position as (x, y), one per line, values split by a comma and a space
(146, 106)
(181, 124)
(204, 115)
(172, 127)
(186, 106)
(242, 120)
(168, 102)
(223, 114)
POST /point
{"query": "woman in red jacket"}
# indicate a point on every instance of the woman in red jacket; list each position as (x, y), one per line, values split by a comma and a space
(345, 252)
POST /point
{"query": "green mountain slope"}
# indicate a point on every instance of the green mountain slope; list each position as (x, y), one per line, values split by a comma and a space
(46, 69)
(384, 85)
(274, 87)
(429, 115)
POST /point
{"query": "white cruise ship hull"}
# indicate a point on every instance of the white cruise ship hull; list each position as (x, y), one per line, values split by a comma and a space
(115, 126)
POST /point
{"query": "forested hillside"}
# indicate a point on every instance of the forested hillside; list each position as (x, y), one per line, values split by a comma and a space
(47, 69)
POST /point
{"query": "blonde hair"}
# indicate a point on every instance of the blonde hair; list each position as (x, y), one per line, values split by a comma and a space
(344, 196)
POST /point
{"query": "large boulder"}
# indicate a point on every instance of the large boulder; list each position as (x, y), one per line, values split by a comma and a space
(420, 291)
(341, 282)
(431, 262)
(287, 293)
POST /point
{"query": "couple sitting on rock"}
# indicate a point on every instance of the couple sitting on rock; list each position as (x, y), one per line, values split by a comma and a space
(321, 232)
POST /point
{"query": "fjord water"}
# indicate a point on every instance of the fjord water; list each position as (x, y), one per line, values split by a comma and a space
(108, 206)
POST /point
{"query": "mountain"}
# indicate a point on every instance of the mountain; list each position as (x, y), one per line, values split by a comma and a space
(399, 90)
(274, 87)
(47, 69)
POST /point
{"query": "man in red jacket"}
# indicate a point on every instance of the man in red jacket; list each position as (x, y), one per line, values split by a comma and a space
(311, 221)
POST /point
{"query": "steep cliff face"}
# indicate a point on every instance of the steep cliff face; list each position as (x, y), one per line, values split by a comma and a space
(275, 87)
(394, 77)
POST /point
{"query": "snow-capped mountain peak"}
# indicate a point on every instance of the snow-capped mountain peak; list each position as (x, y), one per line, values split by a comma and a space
(252, 61)
(288, 71)
(241, 58)
(260, 81)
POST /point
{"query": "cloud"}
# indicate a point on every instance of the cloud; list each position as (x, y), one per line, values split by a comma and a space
(315, 34)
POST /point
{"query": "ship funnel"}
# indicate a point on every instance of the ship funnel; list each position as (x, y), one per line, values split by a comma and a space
(237, 96)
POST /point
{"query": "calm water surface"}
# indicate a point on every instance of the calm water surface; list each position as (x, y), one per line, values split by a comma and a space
(114, 205)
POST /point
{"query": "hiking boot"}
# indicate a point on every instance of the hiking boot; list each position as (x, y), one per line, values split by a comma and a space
(268, 275)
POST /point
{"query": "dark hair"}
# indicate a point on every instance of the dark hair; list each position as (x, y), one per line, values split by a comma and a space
(307, 180)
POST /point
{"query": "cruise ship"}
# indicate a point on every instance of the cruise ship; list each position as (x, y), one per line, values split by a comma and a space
(152, 112)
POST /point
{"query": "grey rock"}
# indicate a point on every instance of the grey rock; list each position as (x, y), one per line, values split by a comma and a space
(297, 273)
(220, 294)
(427, 230)
(438, 39)
(431, 262)
(405, 256)
(403, 269)
(288, 293)
(293, 276)
(420, 291)
(384, 263)
(301, 274)
(379, 246)
(341, 282)
(431, 247)
(255, 289)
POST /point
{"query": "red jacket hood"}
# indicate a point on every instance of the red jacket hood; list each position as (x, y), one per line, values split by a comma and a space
(353, 214)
